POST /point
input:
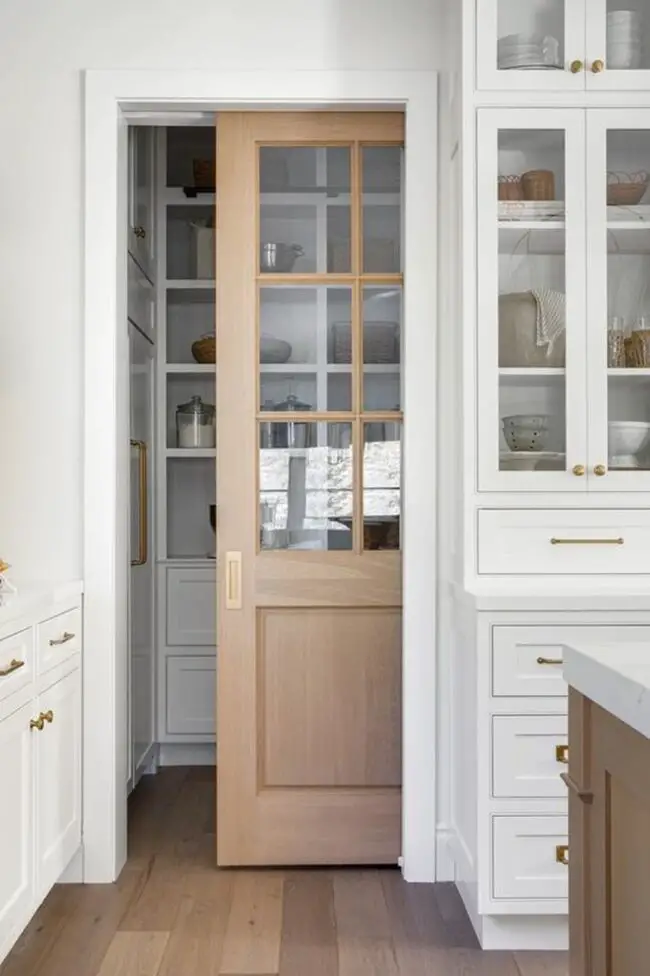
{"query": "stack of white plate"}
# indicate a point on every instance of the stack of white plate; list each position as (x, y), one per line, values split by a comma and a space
(526, 51)
(624, 39)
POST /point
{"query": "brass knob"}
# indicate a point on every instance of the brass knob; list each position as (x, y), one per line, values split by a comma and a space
(140, 232)
(597, 66)
(562, 754)
(600, 470)
(577, 66)
(37, 723)
(47, 716)
(578, 470)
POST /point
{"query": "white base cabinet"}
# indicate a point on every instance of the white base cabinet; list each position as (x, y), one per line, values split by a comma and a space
(40, 759)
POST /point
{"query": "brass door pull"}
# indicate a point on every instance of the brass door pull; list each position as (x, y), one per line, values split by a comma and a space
(67, 636)
(587, 542)
(550, 660)
(37, 723)
(233, 581)
(143, 527)
(579, 470)
(597, 66)
(562, 853)
(13, 665)
(47, 716)
(600, 470)
(577, 66)
(562, 754)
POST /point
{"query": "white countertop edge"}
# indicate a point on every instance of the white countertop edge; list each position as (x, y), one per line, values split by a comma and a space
(614, 676)
(555, 594)
(37, 600)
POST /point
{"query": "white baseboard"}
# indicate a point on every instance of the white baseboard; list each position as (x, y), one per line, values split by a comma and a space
(74, 873)
(445, 861)
(518, 933)
(190, 754)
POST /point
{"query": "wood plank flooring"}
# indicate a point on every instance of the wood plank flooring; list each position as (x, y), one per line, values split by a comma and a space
(171, 913)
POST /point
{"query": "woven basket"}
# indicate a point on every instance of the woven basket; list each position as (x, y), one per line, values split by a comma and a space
(379, 342)
(204, 349)
(625, 194)
(203, 173)
(637, 349)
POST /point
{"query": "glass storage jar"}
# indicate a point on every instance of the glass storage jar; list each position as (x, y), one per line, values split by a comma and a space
(195, 424)
(293, 434)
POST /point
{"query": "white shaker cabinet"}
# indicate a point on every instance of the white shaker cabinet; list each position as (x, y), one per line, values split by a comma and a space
(16, 832)
(141, 198)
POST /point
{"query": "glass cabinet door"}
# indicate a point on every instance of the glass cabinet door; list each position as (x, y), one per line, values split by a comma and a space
(531, 296)
(530, 44)
(618, 45)
(618, 238)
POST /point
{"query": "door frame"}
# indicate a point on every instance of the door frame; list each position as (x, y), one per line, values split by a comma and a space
(114, 99)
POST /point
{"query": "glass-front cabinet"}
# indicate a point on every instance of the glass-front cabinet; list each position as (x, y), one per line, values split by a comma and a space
(563, 312)
(568, 45)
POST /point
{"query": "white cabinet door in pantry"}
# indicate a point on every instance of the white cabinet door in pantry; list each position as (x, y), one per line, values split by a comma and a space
(617, 35)
(618, 298)
(16, 848)
(57, 778)
(141, 198)
(531, 309)
(531, 45)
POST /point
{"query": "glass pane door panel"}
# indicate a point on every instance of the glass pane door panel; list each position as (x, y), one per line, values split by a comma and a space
(532, 300)
(628, 166)
(297, 353)
(627, 35)
(530, 35)
(305, 211)
(306, 485)
(382, 477)
(382, 316)
(382, 217)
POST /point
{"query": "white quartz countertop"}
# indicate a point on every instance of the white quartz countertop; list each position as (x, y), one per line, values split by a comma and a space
(616, 677)
(36, 600)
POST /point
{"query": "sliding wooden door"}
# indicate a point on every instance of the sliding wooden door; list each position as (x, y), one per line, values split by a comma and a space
(309, 298)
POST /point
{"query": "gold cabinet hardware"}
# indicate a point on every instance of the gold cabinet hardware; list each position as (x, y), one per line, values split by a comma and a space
(233, 581)
(562, 853)
(550, 660)
(143, 527)
(47, 716)
(67, 636)
(577, 66)
(562, 754)
(597, 66)
(37, 723)
(600, 470)
(140, 232)
(579, 470)
(588, 542)
(13, 665)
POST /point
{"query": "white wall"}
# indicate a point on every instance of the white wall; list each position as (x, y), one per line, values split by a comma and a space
(44, 46)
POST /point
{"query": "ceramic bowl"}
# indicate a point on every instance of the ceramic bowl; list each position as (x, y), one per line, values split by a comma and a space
(627, 438)
(273, 350)
(526, 420)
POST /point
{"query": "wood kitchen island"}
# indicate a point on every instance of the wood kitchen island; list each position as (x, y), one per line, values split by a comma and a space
(609, 809)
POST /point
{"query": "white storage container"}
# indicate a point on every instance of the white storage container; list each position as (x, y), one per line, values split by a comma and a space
(203, 251)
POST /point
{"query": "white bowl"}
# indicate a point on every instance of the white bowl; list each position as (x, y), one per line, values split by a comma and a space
(627, 438)
(526, 421)
(273, 350)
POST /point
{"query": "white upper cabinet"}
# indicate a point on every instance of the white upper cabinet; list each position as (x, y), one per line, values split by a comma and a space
(563, 45)
(141, 198)
(563, 314)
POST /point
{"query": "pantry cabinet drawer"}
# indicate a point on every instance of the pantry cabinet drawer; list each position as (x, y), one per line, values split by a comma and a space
(16, 662)
(528, 754)
(191, 696)
(191, 602)
(525, 857)
(563, 542)
(58, 639)
(527, 661)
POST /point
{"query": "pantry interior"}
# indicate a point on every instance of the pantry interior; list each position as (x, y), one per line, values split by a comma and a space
(305, 364)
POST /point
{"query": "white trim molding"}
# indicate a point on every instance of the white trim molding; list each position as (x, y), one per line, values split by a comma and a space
(112, 98)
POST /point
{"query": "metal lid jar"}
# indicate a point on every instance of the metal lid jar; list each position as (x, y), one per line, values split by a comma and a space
(195, 424)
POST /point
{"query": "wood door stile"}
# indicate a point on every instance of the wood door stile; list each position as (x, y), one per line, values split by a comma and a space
(309, 667)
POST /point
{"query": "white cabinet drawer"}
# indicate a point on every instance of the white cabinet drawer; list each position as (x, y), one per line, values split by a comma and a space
(563, 542)
(524, 857)
(16, 662)
(524, 759)
(191, 607)
(527, 661)
(58, 639)
(191, 696)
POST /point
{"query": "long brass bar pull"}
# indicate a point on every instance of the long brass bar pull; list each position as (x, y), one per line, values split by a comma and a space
(13, 665)
(143, 526)
(587, 542)
(550, 660)
(233, 581)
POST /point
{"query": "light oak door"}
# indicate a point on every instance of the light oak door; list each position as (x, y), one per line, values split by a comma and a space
(309, 290)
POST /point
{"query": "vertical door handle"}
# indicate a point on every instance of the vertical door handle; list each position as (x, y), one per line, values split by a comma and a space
(143, 524)
(233, 581)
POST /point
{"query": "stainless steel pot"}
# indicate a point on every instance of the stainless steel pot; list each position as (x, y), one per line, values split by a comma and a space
(279, 258)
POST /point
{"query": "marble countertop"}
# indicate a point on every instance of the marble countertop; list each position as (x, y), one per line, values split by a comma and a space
(616, 677)
(37, 599)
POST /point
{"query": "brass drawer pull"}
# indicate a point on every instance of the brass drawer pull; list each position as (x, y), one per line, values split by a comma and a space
(37, 723)
(562, 754)
(47, 716)
(587, 542)
(585, 795)
(562, 853)
(550, 660)
(13, 665)
(67, 636)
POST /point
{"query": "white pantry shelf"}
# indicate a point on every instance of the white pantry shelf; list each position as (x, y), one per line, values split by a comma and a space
(191, 452)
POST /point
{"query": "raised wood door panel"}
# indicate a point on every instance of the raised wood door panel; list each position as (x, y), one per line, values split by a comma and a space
(308, 472)
(580, 797)
(16, 826)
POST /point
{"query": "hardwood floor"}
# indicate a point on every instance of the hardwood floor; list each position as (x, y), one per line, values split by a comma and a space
(171, 913)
